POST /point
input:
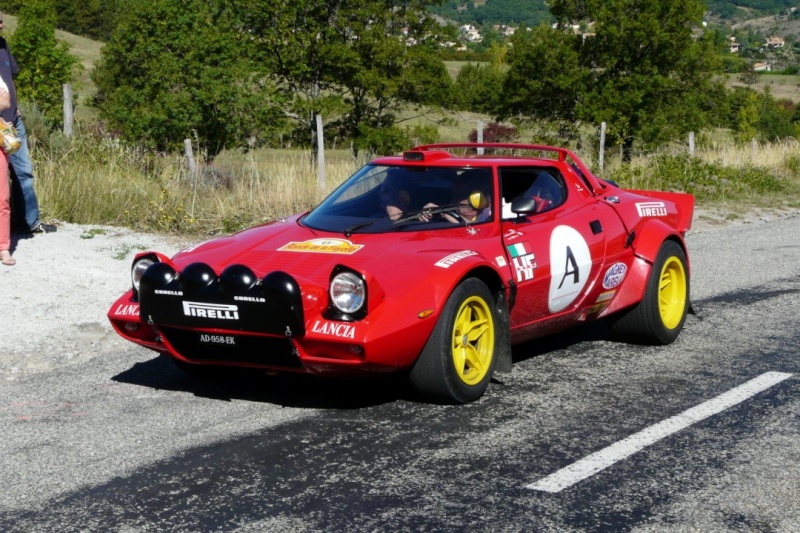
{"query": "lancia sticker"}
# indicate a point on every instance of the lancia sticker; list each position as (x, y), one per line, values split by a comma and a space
(127, 310)
(346, 331)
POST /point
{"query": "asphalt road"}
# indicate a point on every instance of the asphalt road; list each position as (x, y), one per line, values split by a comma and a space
(126, 442)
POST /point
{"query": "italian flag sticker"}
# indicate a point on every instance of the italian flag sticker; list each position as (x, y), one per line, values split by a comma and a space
(519, 249)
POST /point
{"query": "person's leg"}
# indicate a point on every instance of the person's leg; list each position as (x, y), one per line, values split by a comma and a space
(22, 174)
(5, 212)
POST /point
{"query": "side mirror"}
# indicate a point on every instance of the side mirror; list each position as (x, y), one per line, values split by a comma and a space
(524, 206)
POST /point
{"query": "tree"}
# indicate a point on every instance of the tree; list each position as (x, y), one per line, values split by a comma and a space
(545, 78)
(180, 68)
(642, 69)
(357, 61)
(90, 18)
(477, 87)
(45, 64)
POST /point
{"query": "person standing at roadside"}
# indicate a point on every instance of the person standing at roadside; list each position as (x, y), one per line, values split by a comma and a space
(26, 205)
(5, 194)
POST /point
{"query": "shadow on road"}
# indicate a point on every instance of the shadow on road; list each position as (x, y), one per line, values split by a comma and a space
(302, 390)
(288, 390)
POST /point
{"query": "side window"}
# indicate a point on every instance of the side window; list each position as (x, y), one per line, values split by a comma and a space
(549, 190)
(545, 185)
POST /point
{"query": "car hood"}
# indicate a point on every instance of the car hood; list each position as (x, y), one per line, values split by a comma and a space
(311, 254)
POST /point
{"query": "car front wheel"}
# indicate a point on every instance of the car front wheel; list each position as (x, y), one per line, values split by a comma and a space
(458, 360)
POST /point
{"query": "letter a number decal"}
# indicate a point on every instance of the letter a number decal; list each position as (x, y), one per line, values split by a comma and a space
(570, 264)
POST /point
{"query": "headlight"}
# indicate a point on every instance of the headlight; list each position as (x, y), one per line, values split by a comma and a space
(347, 292)
(138, 270)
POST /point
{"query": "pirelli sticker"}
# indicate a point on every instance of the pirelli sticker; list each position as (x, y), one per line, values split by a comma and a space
(651, 209)
(323, 246)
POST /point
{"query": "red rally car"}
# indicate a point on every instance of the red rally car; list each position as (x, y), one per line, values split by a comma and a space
(433, 263)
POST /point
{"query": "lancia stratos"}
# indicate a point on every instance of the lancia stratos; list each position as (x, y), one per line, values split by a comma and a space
(431, 264)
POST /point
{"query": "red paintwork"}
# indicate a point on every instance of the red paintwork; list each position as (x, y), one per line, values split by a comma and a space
(404, 282)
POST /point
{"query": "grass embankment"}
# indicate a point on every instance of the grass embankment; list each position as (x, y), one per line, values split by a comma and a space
(89, 182)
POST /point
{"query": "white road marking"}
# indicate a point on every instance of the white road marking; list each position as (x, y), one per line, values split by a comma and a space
(594, 463)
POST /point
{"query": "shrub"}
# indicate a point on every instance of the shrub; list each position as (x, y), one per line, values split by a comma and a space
(494, 132)
(704, 180)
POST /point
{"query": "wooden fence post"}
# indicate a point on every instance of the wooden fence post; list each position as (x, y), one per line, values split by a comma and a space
(67, 109)
(691, 144)
(187, 146)
(320, 153)
(480, 136)
(601, 157)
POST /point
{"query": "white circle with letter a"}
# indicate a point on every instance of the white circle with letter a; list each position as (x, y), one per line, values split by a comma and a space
(570, 264)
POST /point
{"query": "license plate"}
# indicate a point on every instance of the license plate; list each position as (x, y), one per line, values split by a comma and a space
(217, 340)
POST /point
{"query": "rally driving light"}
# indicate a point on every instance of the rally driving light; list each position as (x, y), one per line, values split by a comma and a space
(347, 292)
(138, 270)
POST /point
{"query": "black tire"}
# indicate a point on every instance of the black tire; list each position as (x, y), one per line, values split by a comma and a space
(459, 358)
(659, 317)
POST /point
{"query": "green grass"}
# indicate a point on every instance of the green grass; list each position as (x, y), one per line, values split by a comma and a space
(783, 87)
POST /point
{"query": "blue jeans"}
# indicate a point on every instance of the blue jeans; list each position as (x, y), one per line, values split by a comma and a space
(22, 193)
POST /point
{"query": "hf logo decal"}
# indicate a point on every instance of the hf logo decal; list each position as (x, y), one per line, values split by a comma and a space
(570, 264)
(523, 259)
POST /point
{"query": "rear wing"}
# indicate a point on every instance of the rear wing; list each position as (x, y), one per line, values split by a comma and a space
(684, 202)
(423, 152)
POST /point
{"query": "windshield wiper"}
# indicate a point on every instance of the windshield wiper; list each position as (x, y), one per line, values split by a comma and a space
(410, 216)
(349, 231)
(414, 215)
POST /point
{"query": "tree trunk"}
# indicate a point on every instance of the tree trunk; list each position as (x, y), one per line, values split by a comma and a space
(627, 150)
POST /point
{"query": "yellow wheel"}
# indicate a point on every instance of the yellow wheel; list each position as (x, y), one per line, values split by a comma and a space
(659, 317)
(672, 293)
(458, 360)
(473, 340)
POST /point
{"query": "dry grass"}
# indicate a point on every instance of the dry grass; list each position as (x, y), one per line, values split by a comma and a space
(107, 184)
(90, 182)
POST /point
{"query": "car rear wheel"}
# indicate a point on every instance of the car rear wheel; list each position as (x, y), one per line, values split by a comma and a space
(458, 360)
(659, 317)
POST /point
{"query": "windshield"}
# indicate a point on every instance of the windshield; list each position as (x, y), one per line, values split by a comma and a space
(379, 199)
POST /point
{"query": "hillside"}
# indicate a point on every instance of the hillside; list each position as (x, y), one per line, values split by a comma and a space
(534, 12)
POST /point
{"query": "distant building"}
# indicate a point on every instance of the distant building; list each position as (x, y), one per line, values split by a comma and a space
(506, 31)
(471, 33)
(775, 42)
(761, 67)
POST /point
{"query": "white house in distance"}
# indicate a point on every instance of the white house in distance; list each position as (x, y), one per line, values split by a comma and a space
(775, 42)
(471, 33)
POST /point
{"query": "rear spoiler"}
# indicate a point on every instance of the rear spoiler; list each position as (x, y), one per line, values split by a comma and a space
(684, 202)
